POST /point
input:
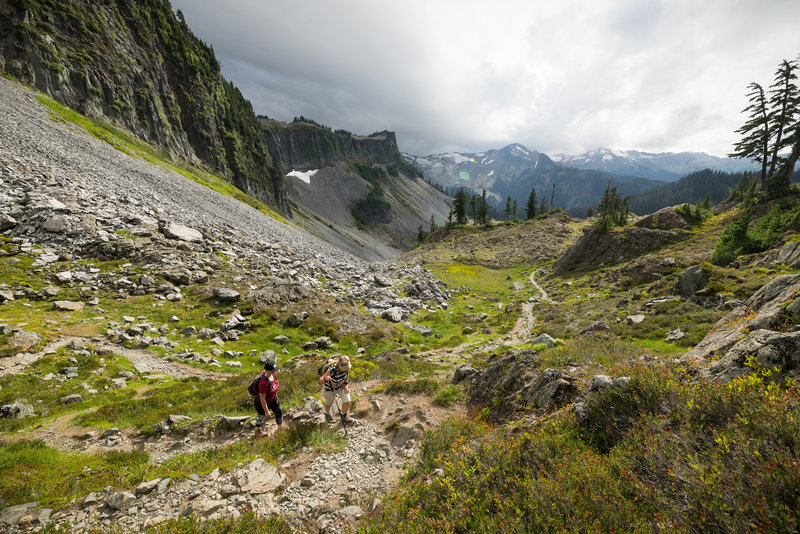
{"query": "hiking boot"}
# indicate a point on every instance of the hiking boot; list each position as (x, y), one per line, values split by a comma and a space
(345, 417)
(259, 420)
(328, 418)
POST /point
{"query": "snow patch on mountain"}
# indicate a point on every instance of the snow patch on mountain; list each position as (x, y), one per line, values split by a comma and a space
(303, 176)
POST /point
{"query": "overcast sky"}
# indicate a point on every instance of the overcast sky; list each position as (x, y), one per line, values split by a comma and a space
(559, 76)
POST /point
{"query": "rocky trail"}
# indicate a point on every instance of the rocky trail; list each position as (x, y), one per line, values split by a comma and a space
(315, 491)
(145, 363)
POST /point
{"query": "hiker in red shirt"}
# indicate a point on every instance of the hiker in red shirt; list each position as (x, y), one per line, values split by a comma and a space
(267, 398)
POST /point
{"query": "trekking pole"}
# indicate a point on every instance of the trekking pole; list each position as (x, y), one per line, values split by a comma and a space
(344, 426)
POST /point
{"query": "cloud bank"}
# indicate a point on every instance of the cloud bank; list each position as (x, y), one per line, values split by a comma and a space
(558, 77)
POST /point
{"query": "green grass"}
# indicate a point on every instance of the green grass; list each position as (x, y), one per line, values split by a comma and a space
(443, 394)
(26, 468)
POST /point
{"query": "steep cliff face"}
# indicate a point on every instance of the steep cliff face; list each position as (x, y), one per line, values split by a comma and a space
(303, 144)
(357, 192)
(136, 64)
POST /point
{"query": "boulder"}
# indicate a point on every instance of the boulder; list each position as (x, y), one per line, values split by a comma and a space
(463, 372)
(67, 305)
(6, 295)
(16, 411)
(776, 351)
(323, 342)
(675, 335)
(24, 340)
(56, 224)
(690, 281)
(226, 294)
(121, 500)
(146, 487)
(543, 339)
(180, 232)
(634, 319)
(70, 399)
(268, 356)
(204, 507)
(600, 328)
(258, 477)
(7, 222)
(295, 320)
(14, 514)
(393, 314)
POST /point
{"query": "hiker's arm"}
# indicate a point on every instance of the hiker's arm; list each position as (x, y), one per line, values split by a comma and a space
(263, 397)
(325, 377)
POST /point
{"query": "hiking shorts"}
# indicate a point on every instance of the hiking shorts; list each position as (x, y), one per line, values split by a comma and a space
(274, 407)
(328, 396)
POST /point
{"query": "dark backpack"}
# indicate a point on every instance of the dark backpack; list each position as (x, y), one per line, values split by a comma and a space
(253, 387)
(325, 366)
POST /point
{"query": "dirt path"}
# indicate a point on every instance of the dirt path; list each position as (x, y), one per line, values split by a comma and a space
(144, 362)
(540, 289)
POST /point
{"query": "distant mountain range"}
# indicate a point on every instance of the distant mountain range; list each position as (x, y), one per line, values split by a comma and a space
(664, 166)
(579, 180)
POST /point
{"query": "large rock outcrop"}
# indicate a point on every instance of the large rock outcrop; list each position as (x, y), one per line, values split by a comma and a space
(763, 332)
(597, 247)
(514, 385)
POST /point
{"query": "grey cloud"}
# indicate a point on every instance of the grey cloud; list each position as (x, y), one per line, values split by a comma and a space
(472, 75)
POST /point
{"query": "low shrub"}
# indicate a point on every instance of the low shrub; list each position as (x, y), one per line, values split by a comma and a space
(662, 454)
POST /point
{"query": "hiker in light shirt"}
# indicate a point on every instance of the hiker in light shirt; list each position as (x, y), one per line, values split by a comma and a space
(335, 382)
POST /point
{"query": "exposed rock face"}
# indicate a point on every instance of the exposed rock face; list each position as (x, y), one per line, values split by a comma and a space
(764, 327)
(596, 247)
(304, 145)
(136, 78)
(663, 219)
(516, 378)
(788, 254)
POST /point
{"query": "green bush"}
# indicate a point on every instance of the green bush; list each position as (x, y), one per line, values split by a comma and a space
(662, 454)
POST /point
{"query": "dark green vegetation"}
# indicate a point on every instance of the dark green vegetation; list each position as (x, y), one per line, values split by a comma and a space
(666, 456)
(691, 188)
(742, 237)
(372, 209)
(163, 84)
(772, 129)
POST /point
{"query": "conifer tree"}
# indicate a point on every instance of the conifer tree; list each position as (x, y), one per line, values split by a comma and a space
(532, 207)
(508, 207)
(771, 128)
(460, 207)
(514, 209)
(484, 209)
(756, 131)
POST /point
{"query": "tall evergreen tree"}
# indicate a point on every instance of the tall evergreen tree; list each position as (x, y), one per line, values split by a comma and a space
(756, 131)
(532, 207)
(460, 207)
(771, 128)
(543, 207)
(508, 207)
(484, 209)
(473, 208)
(514, 209)
(783, 103)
